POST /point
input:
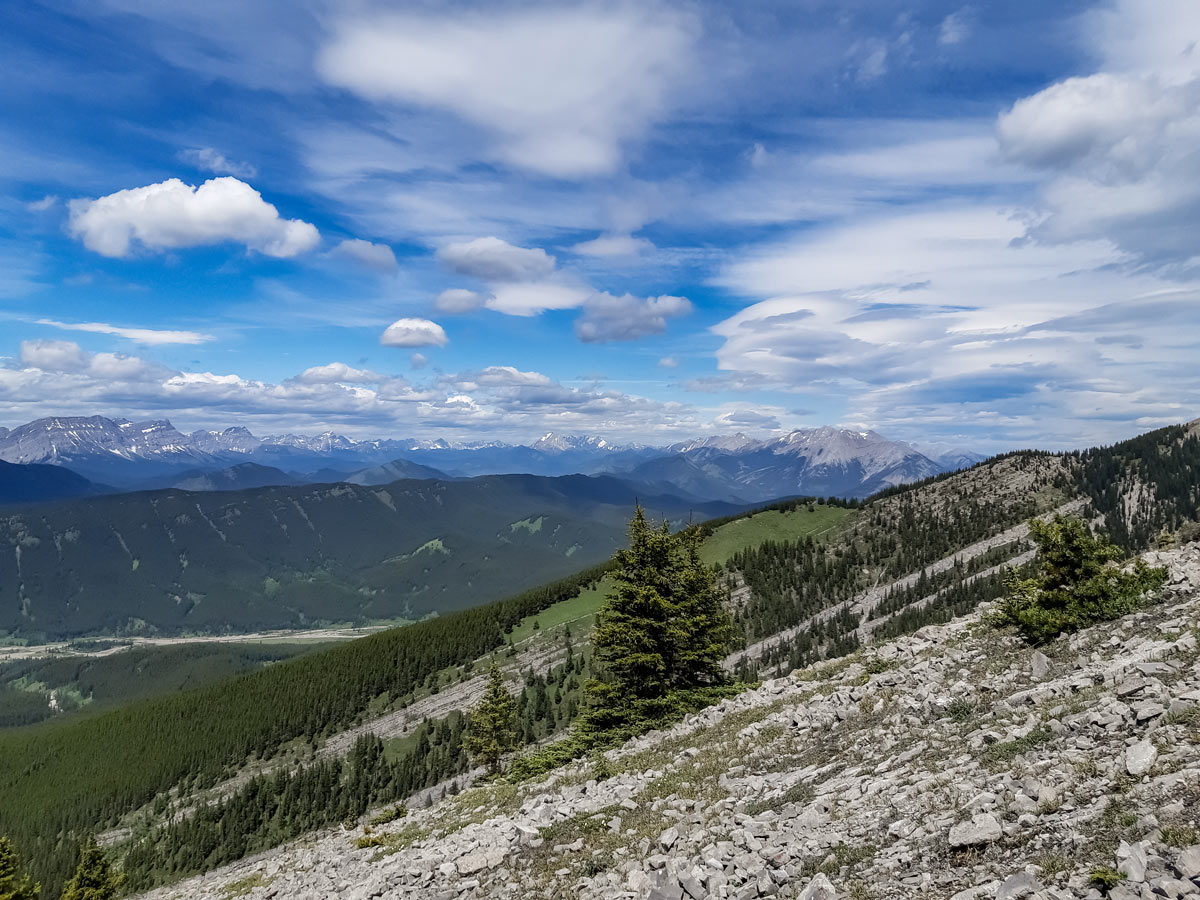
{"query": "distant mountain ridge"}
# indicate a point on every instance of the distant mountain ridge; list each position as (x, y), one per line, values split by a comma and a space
(294, 556)
(735, 468)
(36, 483)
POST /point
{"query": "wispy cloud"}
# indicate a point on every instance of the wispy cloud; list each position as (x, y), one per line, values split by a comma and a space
(149, 336)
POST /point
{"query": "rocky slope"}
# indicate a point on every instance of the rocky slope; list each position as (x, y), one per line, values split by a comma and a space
(954, 763)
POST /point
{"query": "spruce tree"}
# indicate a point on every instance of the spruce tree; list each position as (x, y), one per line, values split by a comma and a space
(13, 885)
(663, 627)
(94, 878)
(493, 723)
(1080, 581)
(701, 628)
(632, 632)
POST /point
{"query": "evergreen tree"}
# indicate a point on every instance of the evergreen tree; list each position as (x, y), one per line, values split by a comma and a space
(632, 634)
(493, 723)
(1078, 582)
(14, 886)
(664, 626)
(700, 629)
(94, 878)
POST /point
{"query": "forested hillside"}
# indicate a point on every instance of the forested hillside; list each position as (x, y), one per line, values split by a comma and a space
(171, 562)
(33, 690)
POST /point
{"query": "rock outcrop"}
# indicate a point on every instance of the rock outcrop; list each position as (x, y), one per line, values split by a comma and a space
(955, 763)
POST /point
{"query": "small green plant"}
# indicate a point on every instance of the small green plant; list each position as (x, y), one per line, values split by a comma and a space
(960, 710)
(1011, 749)
(1079, 582)
(1179, 836)
(1053, 864)
(1106, 878)
(399, 811)
(243, 886)
(847, 855)
(602, 769)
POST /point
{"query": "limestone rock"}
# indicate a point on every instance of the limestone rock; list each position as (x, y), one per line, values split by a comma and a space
(981, 829)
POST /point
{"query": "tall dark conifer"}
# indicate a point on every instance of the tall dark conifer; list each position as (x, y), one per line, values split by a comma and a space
(14, 885)
(94, 878)
(493, 723)
(662, 628)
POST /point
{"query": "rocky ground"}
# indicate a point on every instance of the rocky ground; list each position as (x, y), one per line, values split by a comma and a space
(955, 763)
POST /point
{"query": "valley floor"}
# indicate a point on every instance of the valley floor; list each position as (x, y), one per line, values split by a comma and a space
(118, 644)
(953, 763)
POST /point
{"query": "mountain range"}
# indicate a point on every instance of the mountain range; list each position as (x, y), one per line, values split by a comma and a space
(733, 468)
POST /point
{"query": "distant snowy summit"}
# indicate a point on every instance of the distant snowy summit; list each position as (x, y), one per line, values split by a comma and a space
(737, 468)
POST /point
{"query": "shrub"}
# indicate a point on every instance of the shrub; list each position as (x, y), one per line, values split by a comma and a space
(1106, 878)
(1079, 582)
(960, 710)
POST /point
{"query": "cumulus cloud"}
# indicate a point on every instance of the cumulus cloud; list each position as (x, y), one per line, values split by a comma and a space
(53, 356)
(625, 318)
(377, 257)
(150, 336)
(1118, 146)
(457, 301)
(208, 159)
(414, 333)
(560, 87)
(69, 357)
(338, 373)
(172, 215)
(531, 298)
(491, 259)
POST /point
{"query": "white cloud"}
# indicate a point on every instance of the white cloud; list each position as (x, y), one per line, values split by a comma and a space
(747, 418)
(531, 298)
(338, 373)
(954, 326)
(491, 259)
(502, 400)
(560, 87)
(42, 205)
(69, 357)
(522, 281)
(172, 215)
(874, 62)
(610, 318)
(500, 376)
(377, 257)
(955, 28)
(418, 360)
(668, 362)
(414, 333)
(457, 301)
(209, 160)
(53, 356)
(613, 245)
(149, 336)
(1118, 146)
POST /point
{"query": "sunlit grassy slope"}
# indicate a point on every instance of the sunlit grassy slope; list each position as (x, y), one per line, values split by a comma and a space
(820, 521)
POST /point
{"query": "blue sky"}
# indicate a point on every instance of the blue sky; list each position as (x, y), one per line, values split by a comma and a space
(963, 224)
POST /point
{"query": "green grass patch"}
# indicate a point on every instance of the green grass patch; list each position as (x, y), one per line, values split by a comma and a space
(772, 525)
(579, 612)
